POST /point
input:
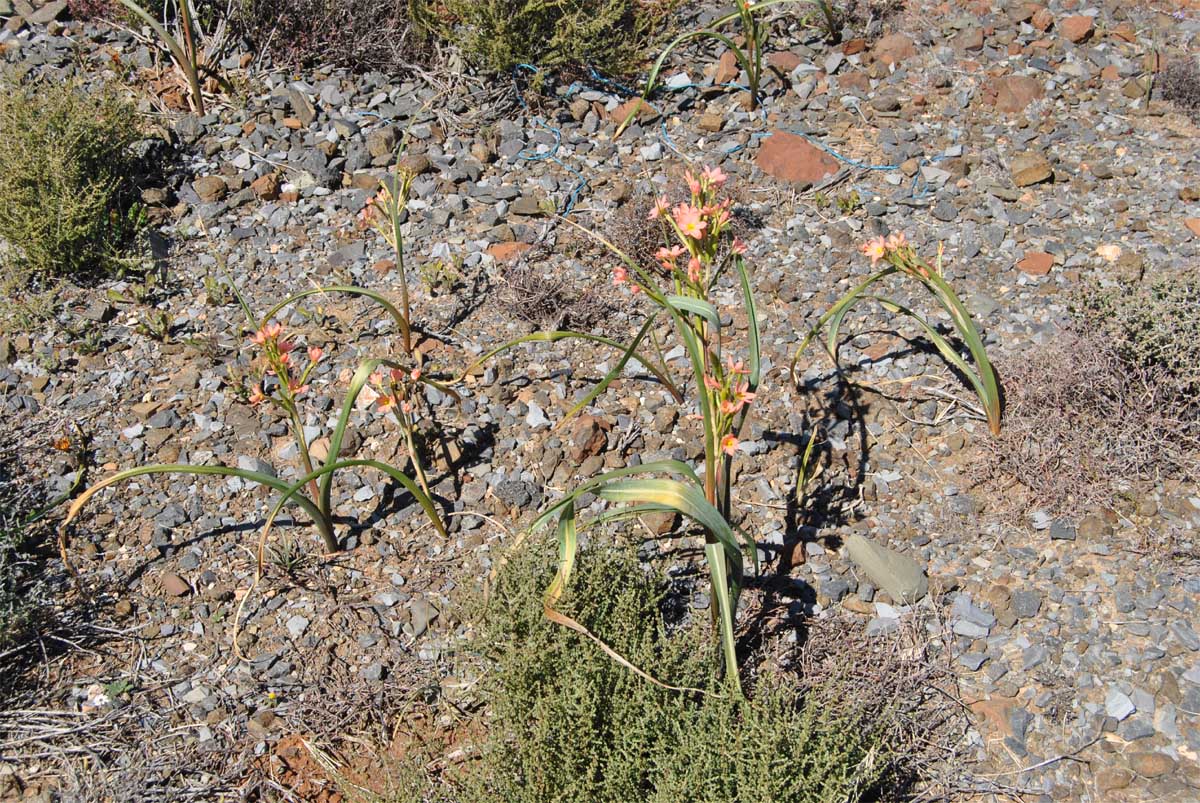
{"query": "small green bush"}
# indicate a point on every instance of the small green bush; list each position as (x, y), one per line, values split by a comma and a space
(65, 179)
(1154, 326)
(566, 723)
(612, 35)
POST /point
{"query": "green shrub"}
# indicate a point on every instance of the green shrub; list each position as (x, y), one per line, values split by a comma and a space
(65, 168)
(566, 723)
(611, 35)
(1153, 325)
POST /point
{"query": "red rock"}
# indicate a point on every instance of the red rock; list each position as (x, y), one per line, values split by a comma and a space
(266, 187)
(1193, 224)
(1042, 19)
(645, 111)
(1036, 263)
(970, 39)
(507, 252)
(894, 48)
(174, 585)
(1013, 93)
(727, 68)
(852, 46)
(783, 60)
(789, 157)
(1111, 73)
(1076, 28)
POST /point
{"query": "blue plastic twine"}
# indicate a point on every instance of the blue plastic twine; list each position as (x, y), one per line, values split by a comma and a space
(531, 155)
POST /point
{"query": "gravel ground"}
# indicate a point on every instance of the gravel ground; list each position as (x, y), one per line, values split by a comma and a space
(1019, 135)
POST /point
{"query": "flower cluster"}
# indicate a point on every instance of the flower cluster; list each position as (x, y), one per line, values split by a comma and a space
(279, 361)
(383, 210)
(396, 391)
(698, 225)
(729, 392)
(895, 250)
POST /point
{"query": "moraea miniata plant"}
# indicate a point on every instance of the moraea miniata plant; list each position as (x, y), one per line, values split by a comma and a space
(680, 284)
(901, 258)
(284, 371)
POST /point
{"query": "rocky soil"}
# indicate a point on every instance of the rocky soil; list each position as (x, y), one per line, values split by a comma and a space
(1025, 137)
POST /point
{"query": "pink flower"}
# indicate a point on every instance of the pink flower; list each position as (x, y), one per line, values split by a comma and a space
(736, 367)
(376, 378)
(620, 275)
(415, 374)
(693, 184)
(711, 382)
(315, 353)
(296, 388)
(285, 346)
(694, 270)
(396, 375)
(729, 444)
(895, 241)
(256, 396)
(739, 247)
(269, 331)
(661, 206)
(407, 407)
(386, 403)
(742, 393)
(729, 406)
(714, 176)
(876, 249)
(690, 221)
(670, 254)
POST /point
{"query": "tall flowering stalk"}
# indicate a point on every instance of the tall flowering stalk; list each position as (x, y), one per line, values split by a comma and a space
(899, 257)
(680, 283)
(384, 212)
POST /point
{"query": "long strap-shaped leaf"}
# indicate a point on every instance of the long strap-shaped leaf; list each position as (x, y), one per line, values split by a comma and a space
(836, 313)
(676, 467)
(378, 298)
(177, 52)
(947, 351)
(294, 491)
(357, 382)
(689, 500)
(562, 334)
(970, 335)
(182, 468)
(616, 370)
(568, 545)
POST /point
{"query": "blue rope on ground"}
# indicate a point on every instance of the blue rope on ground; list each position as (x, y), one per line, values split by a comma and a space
(551, 155)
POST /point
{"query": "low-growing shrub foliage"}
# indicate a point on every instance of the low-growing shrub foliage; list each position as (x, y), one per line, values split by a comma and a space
(568, 724)
(65, 164)
(611, 35)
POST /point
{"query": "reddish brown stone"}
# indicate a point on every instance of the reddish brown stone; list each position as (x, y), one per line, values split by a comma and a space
(1042, 19)
(645, 111)
(1193, 224)
(852, 46)
(894, 48)
(506, 252)
(266, 187)
(783, 60)
(1036, 263)
(727, 68)
(1076, 28)
(1012, 93)
(789, 157)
